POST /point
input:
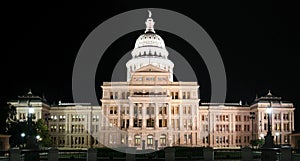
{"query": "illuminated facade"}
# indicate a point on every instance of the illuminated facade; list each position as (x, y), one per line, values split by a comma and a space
(151, 111)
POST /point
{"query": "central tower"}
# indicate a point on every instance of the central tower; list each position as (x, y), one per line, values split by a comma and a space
(149, 49)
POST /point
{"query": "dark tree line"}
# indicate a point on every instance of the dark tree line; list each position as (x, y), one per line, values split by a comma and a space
(11, 126)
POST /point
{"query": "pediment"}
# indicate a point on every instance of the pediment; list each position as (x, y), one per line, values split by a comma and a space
(150, 68)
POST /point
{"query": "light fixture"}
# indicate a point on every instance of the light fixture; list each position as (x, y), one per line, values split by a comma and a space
(31, 110)
(22, 135)
(262, 135)
(38, 137)
(269, 110)
(277, 133)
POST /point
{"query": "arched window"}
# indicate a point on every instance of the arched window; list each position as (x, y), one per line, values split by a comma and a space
(163, 139)
(137, 140)
(150, 140)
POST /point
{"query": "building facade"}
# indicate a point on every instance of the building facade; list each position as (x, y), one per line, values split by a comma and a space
(150, 110)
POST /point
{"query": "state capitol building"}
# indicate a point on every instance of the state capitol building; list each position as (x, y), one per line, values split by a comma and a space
(150, 110)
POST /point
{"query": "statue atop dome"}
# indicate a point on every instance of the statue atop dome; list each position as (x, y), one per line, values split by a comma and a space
(150, 14)
(149, 23)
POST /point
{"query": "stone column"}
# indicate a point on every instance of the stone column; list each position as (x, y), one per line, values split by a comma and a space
(130, 153)
(169, 115)
(193, 117)
(156, 116)
(91, 154)
(194, 138)
(247, 154)
(180, 94)
(290, 123)
(53, 154)
(15, 154)
(286, 153)
(131, 115)
(119, 116)
(169, 154)
(180, 117)
(281, 128)
(208, 154)
(144, 110)
(143, 145)
(293, 121)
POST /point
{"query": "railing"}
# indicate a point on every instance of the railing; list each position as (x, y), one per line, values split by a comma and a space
(295, 154)
(68, 155)
(227, 154)
(178, 153)
(274, 152)
(106, 153)
(256, 153)
(29, 154)
(4, 155)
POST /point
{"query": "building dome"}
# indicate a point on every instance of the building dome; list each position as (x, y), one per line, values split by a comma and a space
(149, 48)
(150, 44)
(150, 39)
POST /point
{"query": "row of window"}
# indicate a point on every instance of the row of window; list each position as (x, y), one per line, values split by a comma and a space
(74, 140)
(22, 116)
(174, 95)
(113, 110)
(277, 116)
(225, 118)
(95, 118)
(226, 139)
(61, 128)
(58, 117)
(277, 127)
(63, 117)
(150, 78)
(150, 141)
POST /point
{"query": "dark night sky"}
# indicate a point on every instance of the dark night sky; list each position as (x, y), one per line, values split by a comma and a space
(258, 44)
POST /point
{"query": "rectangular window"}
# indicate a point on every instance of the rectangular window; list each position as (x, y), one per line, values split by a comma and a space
(176, 110)
(188, 95)
(111, 95)
(150, 78)
(162, 122)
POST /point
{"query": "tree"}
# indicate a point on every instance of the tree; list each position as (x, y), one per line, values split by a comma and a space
(43, 132)
(257, 142)
(7, 117)
(39, 128)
